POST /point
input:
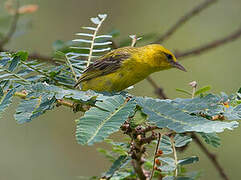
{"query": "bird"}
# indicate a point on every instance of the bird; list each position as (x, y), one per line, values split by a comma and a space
(126, 66)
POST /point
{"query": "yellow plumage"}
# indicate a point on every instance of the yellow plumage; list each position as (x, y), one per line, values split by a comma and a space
(123, 67)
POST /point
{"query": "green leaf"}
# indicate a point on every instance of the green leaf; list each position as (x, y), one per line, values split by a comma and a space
(119, 148)
(118, 163)
(138, 118)
(239, 91)
(181, 140)
(34, 107)
(23, 55)
(89, 48)
(165, 145)
(166, 115)
(60, 93)
(108, 154)
(184, 91)
(233, 113)
(14, 63)
(211, 138)
(169, 178)
(169, 164)
(95, 20)
(97, 124)
(121, 175)
(6, 100)
(208, 104)
(202, 90)
(188, 160)
(1, 93)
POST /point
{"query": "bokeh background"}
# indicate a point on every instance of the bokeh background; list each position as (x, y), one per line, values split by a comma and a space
(46, 148)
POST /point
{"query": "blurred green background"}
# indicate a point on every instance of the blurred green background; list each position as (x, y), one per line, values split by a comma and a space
(46, 148)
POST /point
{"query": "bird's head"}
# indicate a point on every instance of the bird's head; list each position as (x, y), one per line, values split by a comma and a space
(163, 58)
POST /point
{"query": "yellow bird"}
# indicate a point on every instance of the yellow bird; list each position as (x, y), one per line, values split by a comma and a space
(123, 67)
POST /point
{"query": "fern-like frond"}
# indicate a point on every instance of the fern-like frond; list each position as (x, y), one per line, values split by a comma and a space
(9, 68)
(90, 46)
(16, 69)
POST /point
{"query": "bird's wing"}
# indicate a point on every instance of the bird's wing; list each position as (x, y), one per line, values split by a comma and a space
(105, 65)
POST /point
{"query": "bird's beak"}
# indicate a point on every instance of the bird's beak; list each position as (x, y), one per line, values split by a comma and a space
(179, 66)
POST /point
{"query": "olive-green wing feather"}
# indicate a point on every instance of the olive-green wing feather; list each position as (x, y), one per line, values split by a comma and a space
(105, 65)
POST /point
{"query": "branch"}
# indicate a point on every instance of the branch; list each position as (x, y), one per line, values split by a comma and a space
(211, 156)
(37, 70)
(12, 29)
(134, 40)
(39, 57)
(137, 148)
(214, 44)
(154, 159)
(44, 58)
(174, 154)
(149, 128)
(158, 90)
(71, 68)
(23, 95)
(184, 19)
(15, 75)
(75, 106)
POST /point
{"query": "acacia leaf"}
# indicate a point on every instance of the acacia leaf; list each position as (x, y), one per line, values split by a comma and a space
(120, 162)
(202, 90)
(188, 160)
(99, 123)
(5, 100)
(181, 140)
(166, 115)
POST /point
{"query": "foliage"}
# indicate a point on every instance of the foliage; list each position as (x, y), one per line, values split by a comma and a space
(169, 114)
(42, 87)
(104, 119)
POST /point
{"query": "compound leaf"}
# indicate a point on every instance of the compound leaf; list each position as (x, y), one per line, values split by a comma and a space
(6, 100)
(99, 123)
(118, 163)
(166, 115)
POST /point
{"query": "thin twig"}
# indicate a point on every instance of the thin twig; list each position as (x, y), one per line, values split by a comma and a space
(12, 29)
(38, 71)
(39, 57)
(71, 67)
(193, 84)
(44, 58)
(15, 75)
(134, 40)
(184, 19)
(23, 95)
(35, 69)
(214, 44)
(137, 148)
(174, 154)
(149, 128)
(158, 90)
(211, 156)
(154, 159)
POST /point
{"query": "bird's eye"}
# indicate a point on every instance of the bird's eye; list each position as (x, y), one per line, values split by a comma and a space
(169, 56)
